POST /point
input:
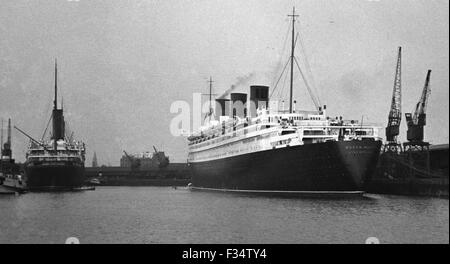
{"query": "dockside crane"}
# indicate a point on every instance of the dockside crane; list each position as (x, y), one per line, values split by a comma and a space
(135, 164)
(163, 160)
(417, 151)
(395, 113)
(417, 121)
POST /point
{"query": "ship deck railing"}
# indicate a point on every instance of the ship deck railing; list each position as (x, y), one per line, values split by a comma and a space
(293, 119)
(327, 129)
(329, 133)
(52, 157)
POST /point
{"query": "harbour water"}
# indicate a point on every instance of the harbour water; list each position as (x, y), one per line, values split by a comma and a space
(168, 215)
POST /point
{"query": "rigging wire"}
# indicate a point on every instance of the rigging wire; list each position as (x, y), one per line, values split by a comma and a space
(281, 91)
(313, 91)
(306, 84)
(284, 91)
(281, 75)
(282, 54)
(308, 66)
(275, 86)
(285, 41)
(47, 110)
(46, 128)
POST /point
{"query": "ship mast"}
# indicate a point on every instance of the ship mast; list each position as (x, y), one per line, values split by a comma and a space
(1, 142)
(55, 107)
(292, 58)
(9, 136)
(210, 94)
(55, 102)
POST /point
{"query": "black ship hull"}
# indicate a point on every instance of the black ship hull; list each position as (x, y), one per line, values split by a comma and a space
(329, 167)
(54, 177)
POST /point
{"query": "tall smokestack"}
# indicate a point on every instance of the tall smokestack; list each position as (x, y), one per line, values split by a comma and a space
(259, 97)
(222, 107)
(57, 115)
(9, 132)
(239, 101)
(6, 151)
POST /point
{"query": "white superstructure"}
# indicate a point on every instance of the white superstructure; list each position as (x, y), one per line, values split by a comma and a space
(270, 130)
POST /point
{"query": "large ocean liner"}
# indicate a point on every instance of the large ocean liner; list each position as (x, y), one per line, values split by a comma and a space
(58, 163)
(255, 147)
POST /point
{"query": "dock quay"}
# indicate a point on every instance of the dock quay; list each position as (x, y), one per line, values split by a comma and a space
(411, 187)
(175, 174)
(423, 174)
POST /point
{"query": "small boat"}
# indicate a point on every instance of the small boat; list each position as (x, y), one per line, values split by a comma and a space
(15, 183)
(94, 182)
(84, 188)
(10, 172)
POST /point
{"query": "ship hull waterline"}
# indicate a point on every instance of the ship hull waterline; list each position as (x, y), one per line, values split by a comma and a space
(334, 168)
(54, 177)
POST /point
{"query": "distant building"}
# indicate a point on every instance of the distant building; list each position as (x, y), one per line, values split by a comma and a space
(94, 160)
(145, 160)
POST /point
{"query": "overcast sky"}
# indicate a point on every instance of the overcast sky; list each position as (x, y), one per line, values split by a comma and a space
(121, 64)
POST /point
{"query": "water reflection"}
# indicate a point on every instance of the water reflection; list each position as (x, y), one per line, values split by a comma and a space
(167, 215)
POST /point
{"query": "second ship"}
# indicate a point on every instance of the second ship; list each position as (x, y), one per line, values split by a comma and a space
(57, 164)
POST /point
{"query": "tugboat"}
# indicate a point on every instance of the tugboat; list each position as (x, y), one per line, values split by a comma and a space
(10, 172)
(58, 164)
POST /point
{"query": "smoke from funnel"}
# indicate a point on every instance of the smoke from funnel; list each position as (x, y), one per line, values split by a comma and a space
(240, 81)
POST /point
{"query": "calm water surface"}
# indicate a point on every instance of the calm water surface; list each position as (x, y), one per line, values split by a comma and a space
(167, 215)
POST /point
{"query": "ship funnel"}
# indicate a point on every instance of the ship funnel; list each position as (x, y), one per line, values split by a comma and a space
(259, 98)
(222, 107)
(239, 101)
(58, 124)
(57, 114)
(6, 150)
